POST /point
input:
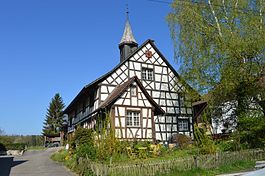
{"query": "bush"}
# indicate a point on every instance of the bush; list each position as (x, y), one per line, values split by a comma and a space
(2, 147)
(15, 146)
(182, 140)
(83, 136)
(229, 145)
(60, 156)
(204, 142)
(251, 131)
(86, 151)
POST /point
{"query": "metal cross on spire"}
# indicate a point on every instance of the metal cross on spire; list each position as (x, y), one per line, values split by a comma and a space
(127, 34)
(127, 12)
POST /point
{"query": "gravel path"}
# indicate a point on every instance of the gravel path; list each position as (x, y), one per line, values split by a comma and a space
(32, 163)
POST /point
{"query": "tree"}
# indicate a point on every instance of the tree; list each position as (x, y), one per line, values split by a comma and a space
(221, 45)
(54, 116)
(2, 132)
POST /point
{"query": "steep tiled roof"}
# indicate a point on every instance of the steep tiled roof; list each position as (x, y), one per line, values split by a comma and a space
(93, 84)
(120, 89)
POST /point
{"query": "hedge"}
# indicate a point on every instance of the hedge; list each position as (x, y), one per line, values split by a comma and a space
(14, 146)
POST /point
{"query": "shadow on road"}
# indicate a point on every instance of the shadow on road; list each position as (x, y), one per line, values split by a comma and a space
(6, 163)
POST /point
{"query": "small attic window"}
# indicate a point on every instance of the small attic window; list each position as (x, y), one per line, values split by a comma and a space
(147, 74)
(133, 90)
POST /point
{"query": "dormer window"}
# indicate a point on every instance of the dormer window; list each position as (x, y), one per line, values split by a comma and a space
(147, 74)
(133, 90)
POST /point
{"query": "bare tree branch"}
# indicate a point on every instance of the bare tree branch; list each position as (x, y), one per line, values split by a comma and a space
(216, 19)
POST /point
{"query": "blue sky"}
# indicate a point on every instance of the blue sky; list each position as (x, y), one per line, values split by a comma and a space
(50, 46)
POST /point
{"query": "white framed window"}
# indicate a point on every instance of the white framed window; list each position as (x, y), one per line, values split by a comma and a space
(147, 74)
(133, 118)
(183, 125)
(133, 90)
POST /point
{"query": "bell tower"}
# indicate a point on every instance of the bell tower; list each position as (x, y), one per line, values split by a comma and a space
(127, 44)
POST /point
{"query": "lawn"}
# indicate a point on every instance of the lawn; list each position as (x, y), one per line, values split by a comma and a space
(235, 166)
(238, 166)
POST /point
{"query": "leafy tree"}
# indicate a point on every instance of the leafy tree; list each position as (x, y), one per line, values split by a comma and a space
(54, 116)
(2, 132)
(221, 45)
(251, 131)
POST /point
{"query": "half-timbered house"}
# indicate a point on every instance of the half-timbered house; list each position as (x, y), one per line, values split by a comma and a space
(144, 95)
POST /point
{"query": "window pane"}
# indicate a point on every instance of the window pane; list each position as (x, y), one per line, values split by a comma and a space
(143, 74)
(150, 75)
(147, 73)
(129, 119)
(183, 125)
(133, 118)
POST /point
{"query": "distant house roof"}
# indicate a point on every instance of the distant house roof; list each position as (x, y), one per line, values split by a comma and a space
(198, 108)
(52, 135)
(93, 84)
(120, 89)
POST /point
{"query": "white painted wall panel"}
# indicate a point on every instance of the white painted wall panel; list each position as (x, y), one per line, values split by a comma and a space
(123, 67)
(134, 101)
(131, 108)
(127, 102)
(136, 57)
(104, 96)
(104, 89)
(157, 77)
(149, 133)
(118, 80)
(158, 69)
(149, 125)
(105, 82)
(123, 76)
(147, 104)
(117, 123)
(119, 71)
(140, 103)
(140, 52)
(118, 102)
(138, 74)
(137, 66)
(122, 111)
(144, 122)
(118, 133)
(144, 112)
(156, 55)
(109, 79)
(111, 88)
(131, 73)
(148, 46)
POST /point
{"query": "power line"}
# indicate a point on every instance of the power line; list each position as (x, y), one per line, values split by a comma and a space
(204, 4)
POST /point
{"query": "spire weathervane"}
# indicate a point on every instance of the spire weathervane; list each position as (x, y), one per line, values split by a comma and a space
(127, 12)
(127, 44)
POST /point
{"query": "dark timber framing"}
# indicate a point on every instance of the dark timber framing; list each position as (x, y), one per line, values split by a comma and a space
(165, 89)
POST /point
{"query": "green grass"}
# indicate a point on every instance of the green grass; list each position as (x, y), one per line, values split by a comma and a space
(165, 155)
(238, 166)
(59, 156)
(63, 157)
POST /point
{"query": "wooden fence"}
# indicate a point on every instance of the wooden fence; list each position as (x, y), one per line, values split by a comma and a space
(164, 166)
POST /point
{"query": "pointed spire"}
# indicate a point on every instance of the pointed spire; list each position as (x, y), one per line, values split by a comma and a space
(127, 34)
(127, 44)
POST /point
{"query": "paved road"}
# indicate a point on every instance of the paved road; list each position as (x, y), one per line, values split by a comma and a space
(32, 163)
